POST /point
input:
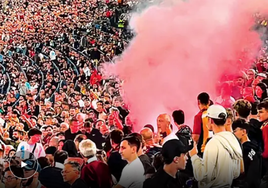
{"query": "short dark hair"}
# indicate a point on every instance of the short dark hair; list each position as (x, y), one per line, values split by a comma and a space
(263, 104)
(242, 107)
(149, 126)
(74, 164)
(60, 156)
(219, 122)
(134, 139)
(203, 98)
(178, 116)
(16, 171)
(34, 131)
(241, 123)
(254, 110)
(116, 136)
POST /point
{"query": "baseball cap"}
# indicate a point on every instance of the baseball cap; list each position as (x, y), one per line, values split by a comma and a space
(32, 165)
(173, 148)
(216, 112)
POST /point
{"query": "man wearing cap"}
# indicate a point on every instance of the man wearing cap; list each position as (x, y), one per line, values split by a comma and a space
(31, 173)
(222, 154)
(252, 157)
(174, 156)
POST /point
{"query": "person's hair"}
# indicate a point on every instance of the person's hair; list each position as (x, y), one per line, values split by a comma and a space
(60, 133)
(242, 107)
(34, 131)
(79, 138)
(10, 152)
(116, 136)
(51, 150)
(178, 116)
(254, 110)
(219, 122)
(263, 87)
(230, 113)
(43, 161)
(16, 171)
(241, 123)
(87, 148)
(100, 102)
(134, 139)
(69, 147)
(74, 164)
(263, 104)
(203, 98)
(60, 156)
(149, 126)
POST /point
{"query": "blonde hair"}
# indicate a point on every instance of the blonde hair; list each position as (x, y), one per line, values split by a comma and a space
(87, 148)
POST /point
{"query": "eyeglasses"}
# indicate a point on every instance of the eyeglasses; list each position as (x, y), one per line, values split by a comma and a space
(8, 178)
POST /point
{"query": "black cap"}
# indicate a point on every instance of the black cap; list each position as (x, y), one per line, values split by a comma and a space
(173, 148)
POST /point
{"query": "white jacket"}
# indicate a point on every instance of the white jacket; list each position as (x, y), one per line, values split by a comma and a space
(221, 161)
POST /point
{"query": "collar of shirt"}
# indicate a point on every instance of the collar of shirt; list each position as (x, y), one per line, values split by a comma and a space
(92, 159)
(59, 165)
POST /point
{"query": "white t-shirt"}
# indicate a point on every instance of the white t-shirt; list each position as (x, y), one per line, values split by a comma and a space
(132, 175)
(38, 152)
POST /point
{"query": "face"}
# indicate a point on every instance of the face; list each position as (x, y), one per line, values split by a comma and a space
(36, 138)
(239, 133)
(239, 82)
(250, 75)
(63, 127)
(10, 181)
(181, 161)
(60, 146)
(258, 92)
(262, 114)
(69, 173)
(104, 129)
(162, 122)
(74, 126)
(126, 150)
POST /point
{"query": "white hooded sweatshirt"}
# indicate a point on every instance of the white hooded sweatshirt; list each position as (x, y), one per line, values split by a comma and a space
(221, 162)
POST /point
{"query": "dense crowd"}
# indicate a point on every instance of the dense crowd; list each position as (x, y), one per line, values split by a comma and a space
(57, 105)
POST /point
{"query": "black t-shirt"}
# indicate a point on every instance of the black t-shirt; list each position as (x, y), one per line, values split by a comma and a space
(79, 183)
(71, 136)
(255, 133)
(162, 180)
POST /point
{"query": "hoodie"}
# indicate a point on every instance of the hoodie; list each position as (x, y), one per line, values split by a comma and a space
(221, 161)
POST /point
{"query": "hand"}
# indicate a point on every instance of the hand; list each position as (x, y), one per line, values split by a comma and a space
(194, 150)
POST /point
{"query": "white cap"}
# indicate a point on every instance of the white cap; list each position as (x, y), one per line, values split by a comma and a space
(216, 112)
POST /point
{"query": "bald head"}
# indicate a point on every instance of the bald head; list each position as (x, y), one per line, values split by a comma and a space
(163, 122)
(147, 134)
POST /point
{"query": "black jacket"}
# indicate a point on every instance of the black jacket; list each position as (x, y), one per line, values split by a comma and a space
(51, 177)
(162, 180)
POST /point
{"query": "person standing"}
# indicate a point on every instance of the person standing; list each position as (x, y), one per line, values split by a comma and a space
(222, 157)
(200, 129)
(71, 174)
(175, 159)
(133, 173)
(33, 146)
(251, 156)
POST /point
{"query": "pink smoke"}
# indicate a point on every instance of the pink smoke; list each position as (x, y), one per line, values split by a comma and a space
(183, 49)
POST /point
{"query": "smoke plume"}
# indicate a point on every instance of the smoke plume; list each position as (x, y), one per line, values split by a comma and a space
(182, 49)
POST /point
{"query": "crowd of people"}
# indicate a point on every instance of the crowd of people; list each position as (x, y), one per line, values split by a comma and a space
(56, 104)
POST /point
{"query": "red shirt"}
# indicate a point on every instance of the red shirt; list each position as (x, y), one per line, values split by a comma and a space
(265, 140)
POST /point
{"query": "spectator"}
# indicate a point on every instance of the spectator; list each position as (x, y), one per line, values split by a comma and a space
(95, 173)
(32, 145)
(174, 156)
(133, 174)
(71, 175)
(211, 170)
